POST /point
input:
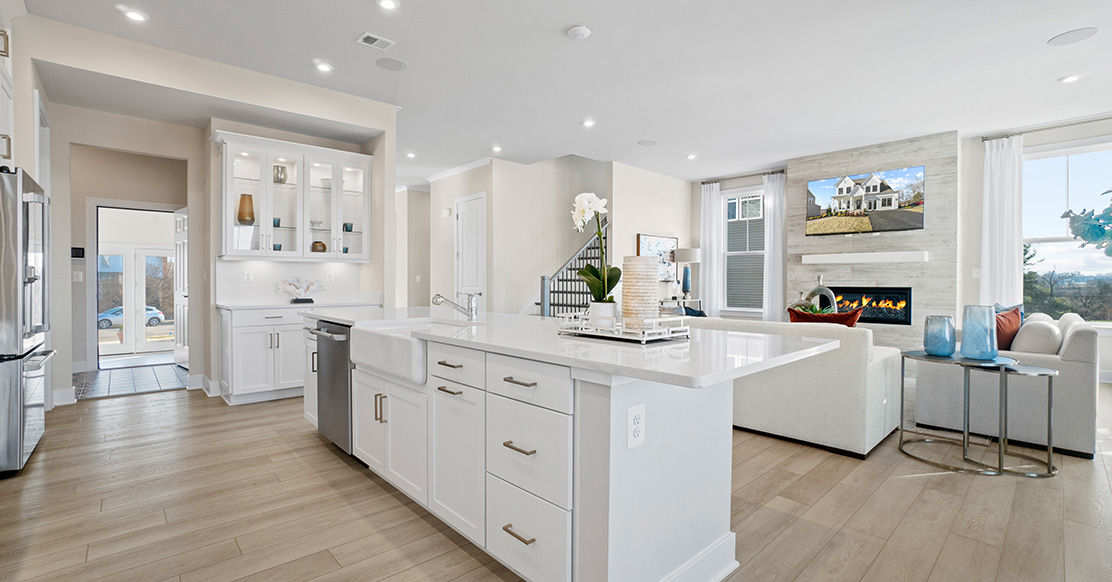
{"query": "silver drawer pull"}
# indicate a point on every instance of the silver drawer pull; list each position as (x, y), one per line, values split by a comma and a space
(509, 528)
(452, 392)
(449, 365)
(510, 445)
(513, 380)
(274, 317)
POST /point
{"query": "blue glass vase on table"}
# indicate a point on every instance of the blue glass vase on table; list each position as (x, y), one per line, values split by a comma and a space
(939, 336)
(978, 334)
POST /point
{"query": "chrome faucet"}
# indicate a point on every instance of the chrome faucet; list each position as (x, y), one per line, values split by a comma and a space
(472, 309)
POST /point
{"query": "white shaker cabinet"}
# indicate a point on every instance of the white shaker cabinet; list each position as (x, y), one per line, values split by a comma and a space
(368, 427)
(457, 457)
(405, 413)
(262, 354)
(310, 391)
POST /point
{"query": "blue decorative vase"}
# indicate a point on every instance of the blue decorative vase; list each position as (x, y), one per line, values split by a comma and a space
(978, 333)
(939, 337)
(686, 280)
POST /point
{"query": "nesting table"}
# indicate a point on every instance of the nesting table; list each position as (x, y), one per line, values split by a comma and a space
(1004, 368)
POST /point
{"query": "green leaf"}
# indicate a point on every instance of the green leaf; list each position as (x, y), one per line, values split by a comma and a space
(613, 275)
(594, 283)
(591, 270)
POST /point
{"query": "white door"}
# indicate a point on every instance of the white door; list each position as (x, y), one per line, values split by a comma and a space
(289, 356)
(456, 483)
(153, 305)
(471, 246)
(406, 414)
(181, 288)
(368, 429)
(253, 360)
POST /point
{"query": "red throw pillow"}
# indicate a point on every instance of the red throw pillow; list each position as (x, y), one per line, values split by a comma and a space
(1007, 325)
(848, 319)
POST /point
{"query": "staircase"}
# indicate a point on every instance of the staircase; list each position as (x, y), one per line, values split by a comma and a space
(564, 292)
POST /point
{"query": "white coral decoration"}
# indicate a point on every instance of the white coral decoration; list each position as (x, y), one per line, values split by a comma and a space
(585, 207)
(297, 286)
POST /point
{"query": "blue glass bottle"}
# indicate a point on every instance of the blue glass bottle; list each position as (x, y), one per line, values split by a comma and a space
(939, 337)
(978, 332)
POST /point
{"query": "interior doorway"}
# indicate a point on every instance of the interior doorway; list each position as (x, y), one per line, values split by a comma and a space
(136, 311)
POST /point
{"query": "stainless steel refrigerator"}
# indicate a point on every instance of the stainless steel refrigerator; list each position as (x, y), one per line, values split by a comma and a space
(24, 316)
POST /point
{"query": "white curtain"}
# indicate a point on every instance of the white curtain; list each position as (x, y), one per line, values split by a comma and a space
(1002, 222)
(711, 277)
(775, 239)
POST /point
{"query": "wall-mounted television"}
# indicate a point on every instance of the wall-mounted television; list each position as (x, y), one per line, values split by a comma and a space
(886, 200)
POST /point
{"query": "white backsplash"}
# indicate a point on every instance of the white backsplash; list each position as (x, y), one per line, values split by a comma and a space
(232, 284)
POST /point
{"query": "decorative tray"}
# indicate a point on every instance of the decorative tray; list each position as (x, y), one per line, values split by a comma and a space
(659, 329)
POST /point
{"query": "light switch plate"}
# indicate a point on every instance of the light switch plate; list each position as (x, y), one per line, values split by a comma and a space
(635, 426)
(248, 277)
(78, 276)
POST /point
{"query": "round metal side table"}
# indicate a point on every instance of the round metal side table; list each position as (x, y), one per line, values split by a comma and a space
(1004, 368)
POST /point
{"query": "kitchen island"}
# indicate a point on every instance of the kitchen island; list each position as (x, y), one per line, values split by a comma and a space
(565, 458)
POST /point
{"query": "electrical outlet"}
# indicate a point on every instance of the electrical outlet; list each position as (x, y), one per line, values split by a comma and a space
(635, 426)
(248, 277)
(330, 278)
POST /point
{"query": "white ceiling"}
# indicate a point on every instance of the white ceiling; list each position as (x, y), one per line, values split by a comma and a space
(744, 85)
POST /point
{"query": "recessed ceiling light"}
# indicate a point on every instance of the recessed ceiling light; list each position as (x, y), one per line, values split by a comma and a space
(133, 14)
(391, 64)
(244, 154)
(496, 149)
(388, 4)
(1075, 77)
(316, 164)
(691, 156)
(646, 142)
(588, 122)
(411, 155)
(1072, 36)
(323, 66)
(281, 159)
(578, 32)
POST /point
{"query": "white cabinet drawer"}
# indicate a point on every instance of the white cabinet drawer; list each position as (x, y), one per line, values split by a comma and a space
(241, 317)
(458, 364)
(546, 385)
(530, 447)
(527, 533)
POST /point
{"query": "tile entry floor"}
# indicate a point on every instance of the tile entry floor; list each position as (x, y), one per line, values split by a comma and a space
(120, 381)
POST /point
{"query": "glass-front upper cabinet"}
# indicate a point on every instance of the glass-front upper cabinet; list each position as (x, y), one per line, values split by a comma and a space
(285, 204)
(243, 194)
(321, 207)
(355, 211)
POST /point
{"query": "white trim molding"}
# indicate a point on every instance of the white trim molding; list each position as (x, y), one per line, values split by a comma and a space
(867, 258)
(458, 169)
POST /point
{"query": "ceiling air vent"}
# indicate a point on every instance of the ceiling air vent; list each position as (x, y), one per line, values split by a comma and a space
(375, 41)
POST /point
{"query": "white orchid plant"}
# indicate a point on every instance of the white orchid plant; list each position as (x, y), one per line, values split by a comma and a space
(600, 280)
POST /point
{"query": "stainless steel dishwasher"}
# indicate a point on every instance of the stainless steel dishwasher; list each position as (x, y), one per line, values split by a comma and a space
(334, 383)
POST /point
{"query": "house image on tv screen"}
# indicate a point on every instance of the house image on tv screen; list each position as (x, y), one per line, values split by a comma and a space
(876, 201)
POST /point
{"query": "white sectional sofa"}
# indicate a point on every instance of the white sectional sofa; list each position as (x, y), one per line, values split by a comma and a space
(846, 399)
(938, 393)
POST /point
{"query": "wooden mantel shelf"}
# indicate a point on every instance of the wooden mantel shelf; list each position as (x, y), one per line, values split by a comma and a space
(866, 258)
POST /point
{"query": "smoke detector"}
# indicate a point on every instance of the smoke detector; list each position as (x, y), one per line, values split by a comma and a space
(579, 32)
(375, 41)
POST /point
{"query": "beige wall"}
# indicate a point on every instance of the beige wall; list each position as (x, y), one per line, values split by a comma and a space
(417, 236)
(39, 39)
(644, 202)
(442, 244)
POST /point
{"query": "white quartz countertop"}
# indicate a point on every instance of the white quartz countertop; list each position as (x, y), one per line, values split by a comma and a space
(709, 357)
(231, 305)
(369, 316)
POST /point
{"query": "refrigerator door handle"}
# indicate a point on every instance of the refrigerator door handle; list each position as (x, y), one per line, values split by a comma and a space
(39, 360)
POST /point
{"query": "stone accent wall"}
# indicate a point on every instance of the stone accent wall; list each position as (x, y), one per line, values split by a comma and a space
(934, 283)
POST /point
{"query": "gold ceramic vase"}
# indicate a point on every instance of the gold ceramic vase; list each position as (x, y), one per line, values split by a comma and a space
(246, 214)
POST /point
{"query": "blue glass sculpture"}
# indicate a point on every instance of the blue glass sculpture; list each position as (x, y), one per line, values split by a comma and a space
(939, 338)
(686, 280)
(978, 333)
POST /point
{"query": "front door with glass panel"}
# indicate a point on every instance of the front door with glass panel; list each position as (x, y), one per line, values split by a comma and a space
(135, 299)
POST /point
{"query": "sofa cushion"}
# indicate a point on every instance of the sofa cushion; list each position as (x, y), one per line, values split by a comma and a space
(1002, 309)
(1007, 324)
(1067, 322)
(1038, 317)
(1039, 337)
(848, 319)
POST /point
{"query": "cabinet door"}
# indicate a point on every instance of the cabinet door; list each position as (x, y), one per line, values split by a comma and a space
(244, 200)
(406, 414)
(320, 208)
(311, 381)
(354, 211)
(368, 431)
(252, 359)
(458, 463)
(285, 204)
(289, 363)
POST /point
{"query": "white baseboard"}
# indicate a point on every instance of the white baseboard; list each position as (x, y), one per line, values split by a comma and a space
(236, 400)
(65, 396)
(715, 562)
(211, 388)
(1106, 376)
(81, 366)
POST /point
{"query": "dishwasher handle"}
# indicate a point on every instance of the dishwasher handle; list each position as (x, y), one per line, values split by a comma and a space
(336, 337)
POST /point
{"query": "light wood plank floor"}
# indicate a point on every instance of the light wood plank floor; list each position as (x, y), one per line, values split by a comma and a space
(177, 486)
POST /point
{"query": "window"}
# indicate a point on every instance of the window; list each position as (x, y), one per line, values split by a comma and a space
(744, 256)
(1059, 275)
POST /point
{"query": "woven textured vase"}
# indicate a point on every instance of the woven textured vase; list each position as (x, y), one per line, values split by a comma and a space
(640, 291)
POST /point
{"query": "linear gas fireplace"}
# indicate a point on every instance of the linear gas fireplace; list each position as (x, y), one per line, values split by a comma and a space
(890, 305)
